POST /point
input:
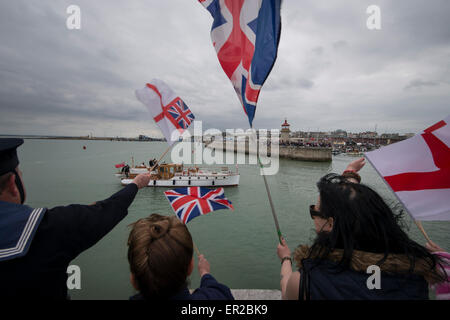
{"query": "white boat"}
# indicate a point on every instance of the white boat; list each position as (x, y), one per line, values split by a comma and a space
(133, 172)
(175, 175)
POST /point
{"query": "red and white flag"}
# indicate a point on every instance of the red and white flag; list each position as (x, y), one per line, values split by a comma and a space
(418, 171)
(170, 113)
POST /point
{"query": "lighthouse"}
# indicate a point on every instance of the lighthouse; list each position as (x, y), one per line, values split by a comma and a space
(285, 132)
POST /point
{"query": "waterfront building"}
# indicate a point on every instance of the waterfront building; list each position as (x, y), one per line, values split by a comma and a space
(285, 132)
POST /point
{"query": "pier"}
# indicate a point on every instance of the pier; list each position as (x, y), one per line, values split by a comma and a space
(301, 153)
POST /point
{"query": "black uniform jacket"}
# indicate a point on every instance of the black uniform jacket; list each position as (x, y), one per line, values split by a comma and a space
(61, 235)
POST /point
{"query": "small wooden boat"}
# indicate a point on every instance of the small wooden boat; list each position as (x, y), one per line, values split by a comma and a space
(176, 175)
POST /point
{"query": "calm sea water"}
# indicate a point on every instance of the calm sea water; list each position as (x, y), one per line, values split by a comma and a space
(240, 245)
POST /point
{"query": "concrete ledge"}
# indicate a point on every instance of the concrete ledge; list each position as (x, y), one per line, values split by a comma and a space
(255, 294)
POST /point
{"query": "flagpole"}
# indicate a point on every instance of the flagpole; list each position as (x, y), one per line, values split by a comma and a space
(167, 150)
(196, 249)
(420, 226)
(269, 196)
(274, 214)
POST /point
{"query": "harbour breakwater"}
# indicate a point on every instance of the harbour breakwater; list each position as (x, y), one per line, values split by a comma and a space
(316, 154)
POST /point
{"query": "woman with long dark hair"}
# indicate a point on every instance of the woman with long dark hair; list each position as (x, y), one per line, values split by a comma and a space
(360, 252)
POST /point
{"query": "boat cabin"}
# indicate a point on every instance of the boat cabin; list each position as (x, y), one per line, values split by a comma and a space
(167, 171)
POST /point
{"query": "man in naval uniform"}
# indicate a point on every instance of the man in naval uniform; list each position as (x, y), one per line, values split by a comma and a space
(37, 245)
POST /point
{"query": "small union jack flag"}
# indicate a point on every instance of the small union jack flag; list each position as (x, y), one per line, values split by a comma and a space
(192, 202)
(180, 114)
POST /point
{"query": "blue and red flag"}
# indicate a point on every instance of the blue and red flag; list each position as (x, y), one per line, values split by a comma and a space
(245, 35)
(192, 202)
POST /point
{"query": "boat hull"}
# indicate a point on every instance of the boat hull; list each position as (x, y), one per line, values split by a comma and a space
(195, 181)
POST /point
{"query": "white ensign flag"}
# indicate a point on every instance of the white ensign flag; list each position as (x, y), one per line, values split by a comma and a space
(170, 113)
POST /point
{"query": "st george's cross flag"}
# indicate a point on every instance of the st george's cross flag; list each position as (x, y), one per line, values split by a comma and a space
(418, 171)
(192, 202)
(245, 35)
(170, 113)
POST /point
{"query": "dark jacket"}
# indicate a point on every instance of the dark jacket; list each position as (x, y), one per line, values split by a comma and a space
(59, 236)
(326, 281)
(209, 289)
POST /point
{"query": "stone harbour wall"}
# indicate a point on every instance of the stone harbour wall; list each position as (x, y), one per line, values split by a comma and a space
(316, 154)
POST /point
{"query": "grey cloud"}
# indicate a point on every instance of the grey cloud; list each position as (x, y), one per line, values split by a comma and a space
(340, 44)
(318, 50)
(330, 69)
(419, 83)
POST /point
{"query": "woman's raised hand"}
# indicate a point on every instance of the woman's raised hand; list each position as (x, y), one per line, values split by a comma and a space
(203, 266)
(356, 165)
(283, 249)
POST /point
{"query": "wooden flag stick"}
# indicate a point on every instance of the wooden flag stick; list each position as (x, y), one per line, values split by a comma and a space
(167, 150)
(419, 225)
(196, 249)
(269, 196)
(274, 214)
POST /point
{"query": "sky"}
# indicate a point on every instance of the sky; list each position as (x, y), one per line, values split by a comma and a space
(332, 72)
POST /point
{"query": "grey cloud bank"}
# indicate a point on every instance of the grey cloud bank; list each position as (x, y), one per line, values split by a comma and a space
(332, 72)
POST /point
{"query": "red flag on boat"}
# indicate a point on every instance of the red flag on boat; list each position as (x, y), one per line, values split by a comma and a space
(120, 165)
(418, 171)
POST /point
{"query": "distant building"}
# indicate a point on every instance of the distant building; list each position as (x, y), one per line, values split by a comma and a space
(339, 133)
(143, 138)
(368, 134)
(285, 136)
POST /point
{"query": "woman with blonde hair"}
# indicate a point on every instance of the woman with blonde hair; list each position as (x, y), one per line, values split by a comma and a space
(160, 254)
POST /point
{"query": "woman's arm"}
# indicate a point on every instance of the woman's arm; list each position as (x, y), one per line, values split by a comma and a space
(351, 172)
(210, 288)
(284, 253)
(293, 286)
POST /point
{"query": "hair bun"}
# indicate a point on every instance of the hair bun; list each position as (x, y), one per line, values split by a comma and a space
(159, 229)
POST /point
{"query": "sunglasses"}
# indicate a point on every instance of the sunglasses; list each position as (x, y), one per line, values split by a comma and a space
(314, 213)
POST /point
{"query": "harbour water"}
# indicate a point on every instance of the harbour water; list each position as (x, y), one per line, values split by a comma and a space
(240, 245)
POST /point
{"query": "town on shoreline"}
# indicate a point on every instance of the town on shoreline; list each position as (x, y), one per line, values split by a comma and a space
(339, 141)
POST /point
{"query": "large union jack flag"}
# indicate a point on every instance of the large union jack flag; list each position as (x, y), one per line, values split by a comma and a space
(192, 202)
(245, 35)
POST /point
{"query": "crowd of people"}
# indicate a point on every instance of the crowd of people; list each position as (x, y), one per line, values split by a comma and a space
(310, 144)
(355, 229)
